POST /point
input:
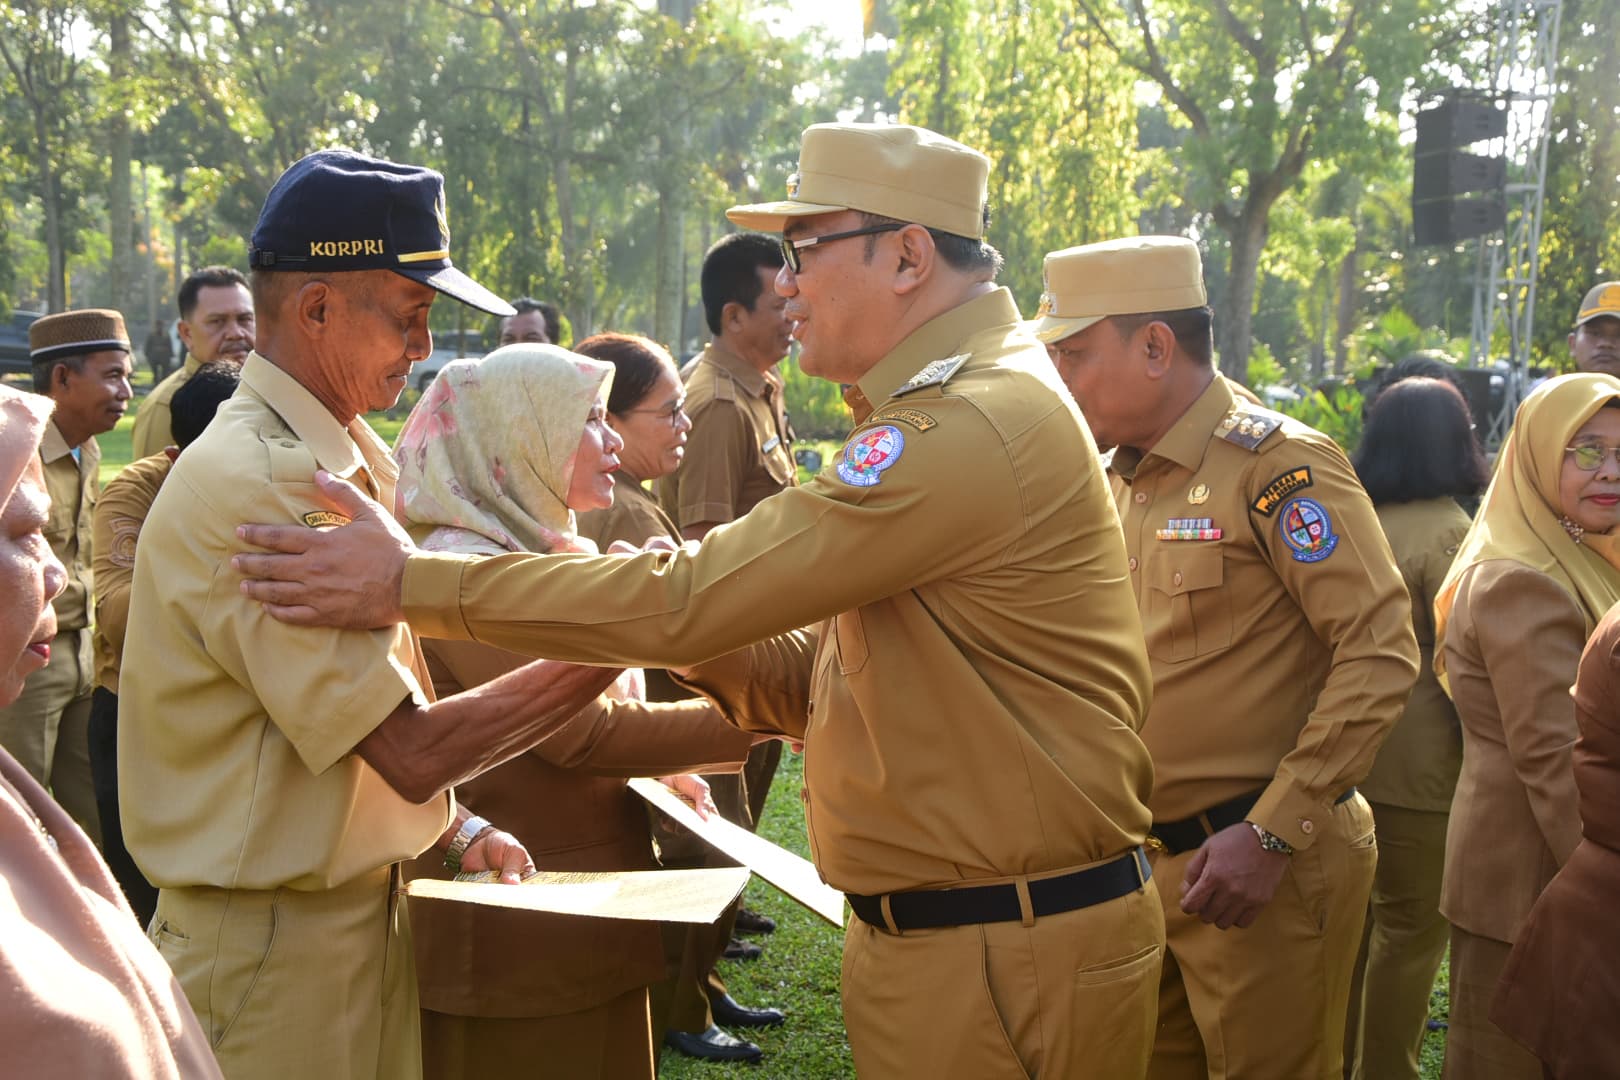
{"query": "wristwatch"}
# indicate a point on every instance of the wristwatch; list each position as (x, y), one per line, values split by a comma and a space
(462, 841)
(1268, 841)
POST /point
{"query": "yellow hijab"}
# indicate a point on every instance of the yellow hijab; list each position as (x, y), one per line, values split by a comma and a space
(487, 456)
(1519, 517)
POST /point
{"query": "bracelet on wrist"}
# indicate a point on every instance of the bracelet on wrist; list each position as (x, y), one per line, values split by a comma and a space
(470, 830)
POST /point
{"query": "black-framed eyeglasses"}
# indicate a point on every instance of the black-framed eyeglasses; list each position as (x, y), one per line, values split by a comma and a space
(1589, 456)
(791, 248)
(670, 415)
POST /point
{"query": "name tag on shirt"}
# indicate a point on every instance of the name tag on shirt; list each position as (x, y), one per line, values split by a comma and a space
(771, 444)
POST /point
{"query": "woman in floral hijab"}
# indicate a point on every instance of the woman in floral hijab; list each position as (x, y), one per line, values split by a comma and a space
(496, 457)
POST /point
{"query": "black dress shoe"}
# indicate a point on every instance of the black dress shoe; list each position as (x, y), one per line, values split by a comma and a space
(731, 1014)
(752, 922)
(713, 1045)
(742, 950)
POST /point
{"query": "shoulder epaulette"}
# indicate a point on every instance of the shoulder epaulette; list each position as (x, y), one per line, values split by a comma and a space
(1248, 427)
(291, 461)
(934, 373)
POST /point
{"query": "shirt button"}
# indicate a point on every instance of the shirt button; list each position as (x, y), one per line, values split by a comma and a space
(1133, 562)
(1177, 579)
(1307, 826)
(1141, 496)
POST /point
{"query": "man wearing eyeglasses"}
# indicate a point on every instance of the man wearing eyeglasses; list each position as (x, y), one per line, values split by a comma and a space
(973, 777)
(1280, 635)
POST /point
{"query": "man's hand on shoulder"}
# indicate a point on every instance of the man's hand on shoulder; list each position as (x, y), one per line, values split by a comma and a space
(350, 576)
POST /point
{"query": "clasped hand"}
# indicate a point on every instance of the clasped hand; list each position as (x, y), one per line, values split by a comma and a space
(1231, 879)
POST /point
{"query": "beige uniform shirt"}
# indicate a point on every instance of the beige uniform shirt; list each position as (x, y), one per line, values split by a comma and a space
(1417, 765)
(236, 732)
(1282, 650)
(119, 515)
(73, 487)
(152, 425)
(740, 448)
(980, 677)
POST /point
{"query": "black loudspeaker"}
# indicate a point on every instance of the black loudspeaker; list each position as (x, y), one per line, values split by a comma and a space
(1443, 172)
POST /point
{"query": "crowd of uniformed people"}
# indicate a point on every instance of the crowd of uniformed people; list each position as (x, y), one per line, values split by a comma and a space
(1146, 733)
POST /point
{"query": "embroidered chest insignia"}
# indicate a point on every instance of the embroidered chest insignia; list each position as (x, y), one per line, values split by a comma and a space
(867, 456)
(1199, 495)
(324, 519)
(934, 373)
(1307, 530)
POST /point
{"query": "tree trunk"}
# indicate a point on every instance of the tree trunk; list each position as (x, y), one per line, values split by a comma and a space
(119, 221)
(56, 274)
(1234, 325)
(1345, 322)
(670, 252)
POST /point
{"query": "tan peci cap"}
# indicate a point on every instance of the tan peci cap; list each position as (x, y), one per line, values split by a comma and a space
(1118, 277)
(1603, 300)
(906, 173)
(73, 333)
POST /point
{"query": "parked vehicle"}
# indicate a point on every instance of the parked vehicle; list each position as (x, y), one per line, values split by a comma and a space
(448, 346)
(14, 343)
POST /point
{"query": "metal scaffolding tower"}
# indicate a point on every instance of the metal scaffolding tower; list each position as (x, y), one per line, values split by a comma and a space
(1524, 64)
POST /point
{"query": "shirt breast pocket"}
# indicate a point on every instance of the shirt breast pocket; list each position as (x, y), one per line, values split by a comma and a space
(779, 462)
(1188, 612)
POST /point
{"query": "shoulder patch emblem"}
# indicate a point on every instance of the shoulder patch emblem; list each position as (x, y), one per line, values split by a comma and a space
(1307, 530)
(919, 420)
(1246, 429)
(1280, 488)
(324, 519)
(868, 455)
(934, 373)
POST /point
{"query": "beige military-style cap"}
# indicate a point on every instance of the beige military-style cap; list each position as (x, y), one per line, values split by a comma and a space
(74, 333)
(902, 172)
(1603, 301)
(1132, 276)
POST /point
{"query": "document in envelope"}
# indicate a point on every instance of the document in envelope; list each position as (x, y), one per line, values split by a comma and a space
(792, 874)
(690, 896)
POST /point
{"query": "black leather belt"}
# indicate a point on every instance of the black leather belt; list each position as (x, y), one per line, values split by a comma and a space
(1190, 833)
(970, 904)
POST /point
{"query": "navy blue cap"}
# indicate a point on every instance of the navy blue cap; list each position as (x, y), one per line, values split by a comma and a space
(338, 210)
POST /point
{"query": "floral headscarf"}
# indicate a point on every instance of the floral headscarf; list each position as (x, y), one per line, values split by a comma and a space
(487, 456)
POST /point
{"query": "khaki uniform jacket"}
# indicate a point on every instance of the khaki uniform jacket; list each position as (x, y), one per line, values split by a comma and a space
(740, 448)
(980, 677)
(235, 731)
(153, 430)
(1417, 766)
(74, 487)
(119, 516)
(1571, 937)
(1513, 646)
(566, 800)
(635, 517)
(1282, 651)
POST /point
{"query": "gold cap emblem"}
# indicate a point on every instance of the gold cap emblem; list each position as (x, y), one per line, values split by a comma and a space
(793, 185)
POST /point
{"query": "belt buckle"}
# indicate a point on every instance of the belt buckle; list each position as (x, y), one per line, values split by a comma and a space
(1153, 843)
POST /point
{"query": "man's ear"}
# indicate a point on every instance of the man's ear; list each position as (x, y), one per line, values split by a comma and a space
(1159, 347)
(59, 377)
(183, 328)
(732, 315)
(1572, 334)
(917, 259)
(313, 307)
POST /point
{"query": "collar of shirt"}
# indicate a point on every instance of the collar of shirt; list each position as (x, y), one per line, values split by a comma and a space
(51, 445)
(751, 379)
(340, 450)
(938, 337)
(192, 364)
(1188, 438)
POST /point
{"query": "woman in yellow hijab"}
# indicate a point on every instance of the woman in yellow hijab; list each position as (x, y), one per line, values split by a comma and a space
(496, 457)
(1538, 569)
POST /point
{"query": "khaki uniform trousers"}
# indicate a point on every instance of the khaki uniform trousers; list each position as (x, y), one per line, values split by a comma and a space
(48, 728)
(1268, 1002)
(1402, 948)
(610, 1041)
(298, 984)
(1476, 1049)
(1072, 995)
